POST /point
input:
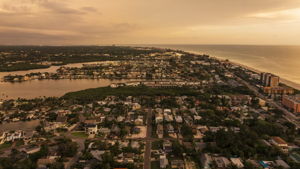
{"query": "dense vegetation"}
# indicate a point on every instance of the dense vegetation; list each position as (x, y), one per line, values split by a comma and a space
(89, 95)
(15, 58)
(21, 66)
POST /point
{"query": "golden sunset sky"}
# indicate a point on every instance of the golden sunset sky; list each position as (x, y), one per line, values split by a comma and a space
(98, 22)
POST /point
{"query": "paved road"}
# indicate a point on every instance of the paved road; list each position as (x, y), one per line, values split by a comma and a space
(147, 155)
(80, 143)
(287, 115)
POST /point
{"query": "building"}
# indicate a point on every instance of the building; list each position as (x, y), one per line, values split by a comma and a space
(280, 143)
(160, 131)
(292, 103)
(273, 81)
(282, 164)
(43, 162)
(278, 90)
(269, 80)
(206, 161)
(170, 129)
(261, 102)
(91, 129)
(179, 164)
(163, 161)
(221, 162)
(167, 146)
(237, 162)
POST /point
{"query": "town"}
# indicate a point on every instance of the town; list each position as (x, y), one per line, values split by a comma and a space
(174, 110)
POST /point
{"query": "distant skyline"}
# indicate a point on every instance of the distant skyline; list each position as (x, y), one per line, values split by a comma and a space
(103, 22)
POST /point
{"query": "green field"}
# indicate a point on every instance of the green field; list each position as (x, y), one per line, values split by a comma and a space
(80, 134)
(5, 145)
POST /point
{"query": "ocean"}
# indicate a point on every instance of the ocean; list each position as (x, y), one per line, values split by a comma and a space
(283, 61)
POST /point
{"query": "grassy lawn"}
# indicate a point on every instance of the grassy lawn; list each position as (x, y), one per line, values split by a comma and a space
(80, 134)
(5, 145)
(19, 143)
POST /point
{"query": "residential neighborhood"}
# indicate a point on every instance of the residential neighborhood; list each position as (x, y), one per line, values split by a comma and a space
(173, 110)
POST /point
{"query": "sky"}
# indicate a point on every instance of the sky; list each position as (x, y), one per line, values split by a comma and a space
(105, 22)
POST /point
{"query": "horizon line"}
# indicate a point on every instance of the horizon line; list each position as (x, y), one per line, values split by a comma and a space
(145, 44)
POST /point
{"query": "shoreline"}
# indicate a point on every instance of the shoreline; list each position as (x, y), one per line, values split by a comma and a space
(282, 80)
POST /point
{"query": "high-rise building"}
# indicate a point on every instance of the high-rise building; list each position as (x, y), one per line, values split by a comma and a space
(269, 80)
(273, 81)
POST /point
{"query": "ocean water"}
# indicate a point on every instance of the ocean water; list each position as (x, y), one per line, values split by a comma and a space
(283, 61)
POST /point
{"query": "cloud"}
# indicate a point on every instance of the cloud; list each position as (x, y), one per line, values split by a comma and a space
(89, 9)
(289, 14)
(60, 8)
(131, 21)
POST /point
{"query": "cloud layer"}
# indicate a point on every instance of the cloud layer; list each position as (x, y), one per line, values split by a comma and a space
(82, 22)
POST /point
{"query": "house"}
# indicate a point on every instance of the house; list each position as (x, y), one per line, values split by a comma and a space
(120, 118)
(167, 146)
(170, 128)
(202, 129)
(31, 150)
(86, 122)
(167, 111)
(136, 106)
(280, 143)
(128, 157)
(28, 135)
(49, 126)
(135, 144)
(179, 164)
(97, 154)
(159, 118)
(2, 137)
(254, 163)
(198, 135)
(163, 161)
(61, 118)
(43, 162)
(114, 85)
(237, 162)
(115, 129)
(240, 99)
(199, 146)
(104, 130)
(261, 102)
(168, 117)
(206, 161)
(283, 164)
(196, 117)
(130, 116)
(160, 131)
(11, 136)
(221, 162)
(139, 121)
(124, 143)
(216, 129)
(178, 119)
(91, 129)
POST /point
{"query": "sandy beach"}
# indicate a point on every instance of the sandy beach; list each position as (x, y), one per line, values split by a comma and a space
(282, 80)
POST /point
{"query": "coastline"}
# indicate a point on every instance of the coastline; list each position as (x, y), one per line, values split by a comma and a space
(282, 80)
(53, 68)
